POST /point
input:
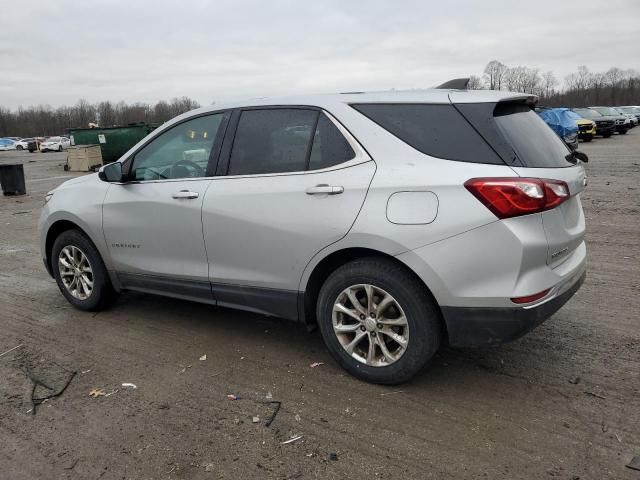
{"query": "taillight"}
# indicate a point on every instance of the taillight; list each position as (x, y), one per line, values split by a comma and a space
(513, 196)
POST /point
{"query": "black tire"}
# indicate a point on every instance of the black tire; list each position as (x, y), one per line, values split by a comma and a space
(587, 139)
(102, 293)
(19, 148)
(60, 148)
(623, 132)
(607, 135)
(422, 314)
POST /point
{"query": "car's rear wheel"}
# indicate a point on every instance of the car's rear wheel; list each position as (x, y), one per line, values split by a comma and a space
(60, 148)
(378, 320)
(80, 272)
(19, 147)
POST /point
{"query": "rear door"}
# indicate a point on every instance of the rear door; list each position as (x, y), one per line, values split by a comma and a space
(532, 149)
(291, 184)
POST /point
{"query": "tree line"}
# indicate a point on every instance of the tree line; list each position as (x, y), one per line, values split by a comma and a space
(582, 88)
(42, 120)
(579, 89)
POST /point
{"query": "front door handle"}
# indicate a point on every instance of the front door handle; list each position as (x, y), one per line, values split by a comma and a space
(325, 189)
(185, 194)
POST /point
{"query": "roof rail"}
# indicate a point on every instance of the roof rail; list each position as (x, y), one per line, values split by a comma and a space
(455, 84)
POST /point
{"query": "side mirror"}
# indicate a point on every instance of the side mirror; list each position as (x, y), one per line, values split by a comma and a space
(111, 172)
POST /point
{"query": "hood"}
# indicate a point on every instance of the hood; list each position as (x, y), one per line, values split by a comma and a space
(92, 177)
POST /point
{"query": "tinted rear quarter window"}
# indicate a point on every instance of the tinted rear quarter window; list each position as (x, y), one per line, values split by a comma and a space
(329, 146)
(438, 130)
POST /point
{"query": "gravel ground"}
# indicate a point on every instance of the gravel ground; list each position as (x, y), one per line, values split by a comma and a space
(562, 402)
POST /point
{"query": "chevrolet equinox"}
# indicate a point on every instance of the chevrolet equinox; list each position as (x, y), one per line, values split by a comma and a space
(393, 221)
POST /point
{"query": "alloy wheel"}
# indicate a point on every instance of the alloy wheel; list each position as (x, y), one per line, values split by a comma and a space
(370, 325)
(76, 272)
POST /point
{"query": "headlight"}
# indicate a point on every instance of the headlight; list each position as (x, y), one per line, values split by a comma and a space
(47, 197)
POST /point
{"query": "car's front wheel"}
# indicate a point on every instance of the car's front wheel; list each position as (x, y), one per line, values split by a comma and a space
(19, 147)
(80, 272)
(378, 320)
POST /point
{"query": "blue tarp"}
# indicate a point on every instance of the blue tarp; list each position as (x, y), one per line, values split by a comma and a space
(561, 120)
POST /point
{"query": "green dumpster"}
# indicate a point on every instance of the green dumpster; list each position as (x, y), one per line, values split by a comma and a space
(113, 141)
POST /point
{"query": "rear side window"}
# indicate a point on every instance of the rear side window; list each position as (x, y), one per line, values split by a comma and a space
(535, 144)
(438, 130)
(283, 140)
(272, 141)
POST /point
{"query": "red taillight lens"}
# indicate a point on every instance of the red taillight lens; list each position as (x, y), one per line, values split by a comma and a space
(512, 197)
(531, 298)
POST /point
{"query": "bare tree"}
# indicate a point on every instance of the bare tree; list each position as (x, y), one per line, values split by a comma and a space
(475, 83)
(549, 82)
(494, 74)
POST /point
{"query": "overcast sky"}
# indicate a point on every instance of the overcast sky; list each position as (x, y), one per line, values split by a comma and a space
(55, 52)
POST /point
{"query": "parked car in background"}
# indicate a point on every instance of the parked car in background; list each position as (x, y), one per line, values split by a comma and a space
(634, 109)
(623, 124)
(632, 118)
(375, 216)
(55, 144)
(562, 121)
(605, 126)
(7, 144)
(23, 143)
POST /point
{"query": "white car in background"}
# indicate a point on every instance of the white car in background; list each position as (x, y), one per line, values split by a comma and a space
(55, 144)
(23, 143)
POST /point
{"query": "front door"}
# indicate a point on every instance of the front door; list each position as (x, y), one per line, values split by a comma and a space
(293, 185)
(152, 224)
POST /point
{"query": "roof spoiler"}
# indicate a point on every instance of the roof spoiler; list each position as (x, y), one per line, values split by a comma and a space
(455, 84)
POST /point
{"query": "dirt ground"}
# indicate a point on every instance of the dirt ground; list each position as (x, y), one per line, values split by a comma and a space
(562, 402)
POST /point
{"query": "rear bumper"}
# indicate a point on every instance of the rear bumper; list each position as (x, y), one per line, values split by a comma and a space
(474, 327)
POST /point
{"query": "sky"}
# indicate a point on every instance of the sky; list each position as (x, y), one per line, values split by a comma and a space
(56, 52)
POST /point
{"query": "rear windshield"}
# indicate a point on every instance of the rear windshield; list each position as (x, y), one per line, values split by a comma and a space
(535, 144)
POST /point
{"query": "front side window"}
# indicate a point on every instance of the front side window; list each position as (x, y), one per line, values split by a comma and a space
(181, 152)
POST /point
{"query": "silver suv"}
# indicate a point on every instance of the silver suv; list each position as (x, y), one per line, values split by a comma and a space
(393, 221)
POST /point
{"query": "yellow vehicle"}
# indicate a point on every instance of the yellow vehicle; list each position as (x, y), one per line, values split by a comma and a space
(586, 129)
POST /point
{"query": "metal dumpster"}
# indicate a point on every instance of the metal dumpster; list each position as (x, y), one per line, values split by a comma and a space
(113, 141)
(12, 179)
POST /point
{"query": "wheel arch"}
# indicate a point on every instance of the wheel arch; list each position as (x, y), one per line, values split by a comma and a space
(56, 229)
(308, 297)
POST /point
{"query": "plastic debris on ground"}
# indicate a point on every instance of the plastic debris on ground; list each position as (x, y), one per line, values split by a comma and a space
(292, 439)
(255, 419)
(231, 396)
(203, 357)
(97, 392)
(269, 396)
(130, 385)
(316, 364)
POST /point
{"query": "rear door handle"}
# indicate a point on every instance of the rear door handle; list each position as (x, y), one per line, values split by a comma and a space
(325, 189)
(185, 194)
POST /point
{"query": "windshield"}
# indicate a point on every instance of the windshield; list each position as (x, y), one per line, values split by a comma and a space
(587, 113)
(53, 139)
(607, 111)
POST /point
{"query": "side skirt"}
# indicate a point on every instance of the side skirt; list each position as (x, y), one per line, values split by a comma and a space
(266, 301)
